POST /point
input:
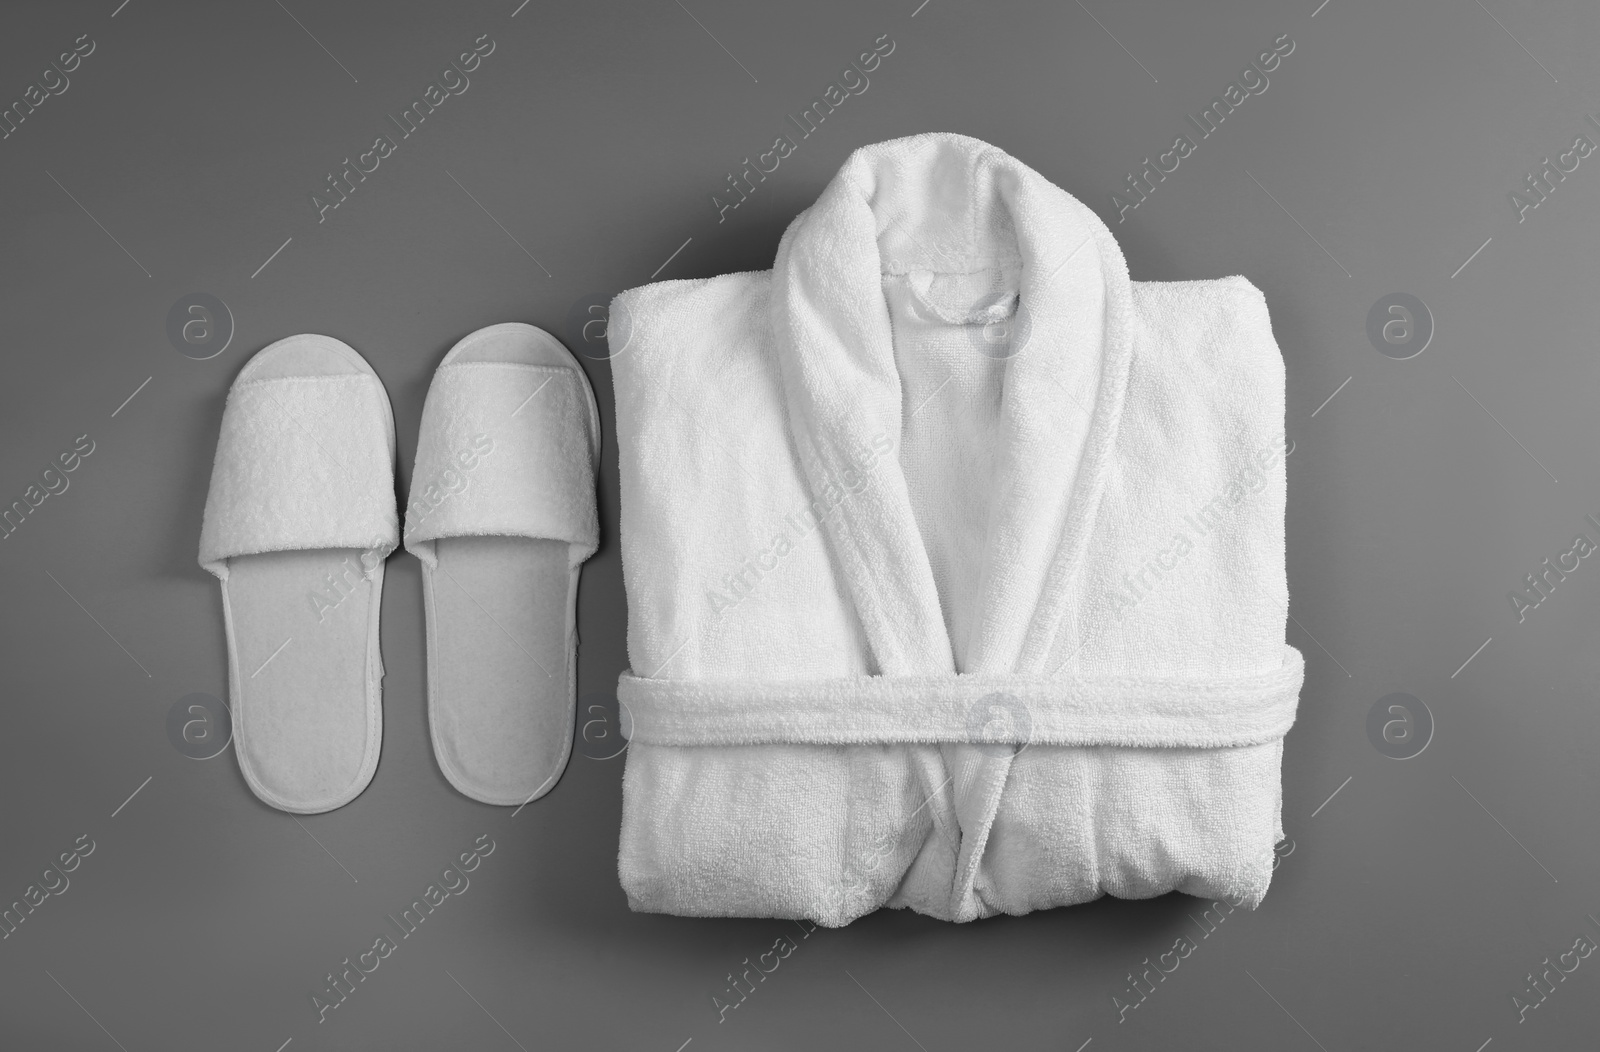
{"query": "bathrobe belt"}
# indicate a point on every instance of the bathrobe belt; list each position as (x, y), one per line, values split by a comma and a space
(1200, 711)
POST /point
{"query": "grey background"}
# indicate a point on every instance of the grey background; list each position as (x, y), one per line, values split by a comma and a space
(1418, 893)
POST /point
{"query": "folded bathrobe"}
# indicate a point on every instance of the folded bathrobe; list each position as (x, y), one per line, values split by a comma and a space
(954, 563)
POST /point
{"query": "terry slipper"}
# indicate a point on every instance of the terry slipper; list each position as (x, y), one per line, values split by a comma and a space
(300, 516)
(502, 515)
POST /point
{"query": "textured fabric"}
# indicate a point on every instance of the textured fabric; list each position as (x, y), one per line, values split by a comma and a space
(507, 452)
(947, 437)
(302, 463)
(995, 709)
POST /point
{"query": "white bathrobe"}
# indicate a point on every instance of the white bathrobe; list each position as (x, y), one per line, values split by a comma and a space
(954, 563)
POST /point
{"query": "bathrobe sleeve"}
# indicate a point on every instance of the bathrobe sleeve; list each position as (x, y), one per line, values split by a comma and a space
(1186, 572)
(727, 573)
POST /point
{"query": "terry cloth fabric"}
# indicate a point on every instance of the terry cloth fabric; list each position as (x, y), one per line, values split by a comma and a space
(276, 482)
(954, 563)
(507, 449)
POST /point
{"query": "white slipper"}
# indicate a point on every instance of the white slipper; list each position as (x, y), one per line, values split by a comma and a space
(300, 515)
(502, 514)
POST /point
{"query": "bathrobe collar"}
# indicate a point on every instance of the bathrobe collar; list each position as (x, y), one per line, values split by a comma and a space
(951, 203)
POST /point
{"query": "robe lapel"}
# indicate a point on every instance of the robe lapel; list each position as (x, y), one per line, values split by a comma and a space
(843, 392)
(1072, 304)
